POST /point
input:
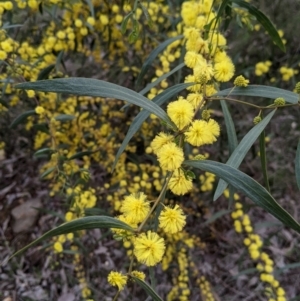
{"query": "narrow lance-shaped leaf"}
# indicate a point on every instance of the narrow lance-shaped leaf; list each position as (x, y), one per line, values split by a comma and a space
(91, 7)
(65, 117)
(161, 78)
(228, 17)
(84, 223)
(263, 158)
(146, 14)
(43, 151)
(148, 289)
(221, 9)
(47, 172)
(252, 189)
(230, 128)
(297, 165)
(153, 55)
(21, 118)
(125, 22)
(143, 115)
(241, 150)
(264, 21)
(261, 91)
(44, 73)
(97, 88)
(156, 82)
(81, 154)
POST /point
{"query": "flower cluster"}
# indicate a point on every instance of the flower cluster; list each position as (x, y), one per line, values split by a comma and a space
(264, 264)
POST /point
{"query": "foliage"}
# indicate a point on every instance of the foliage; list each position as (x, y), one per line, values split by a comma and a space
(80, 122)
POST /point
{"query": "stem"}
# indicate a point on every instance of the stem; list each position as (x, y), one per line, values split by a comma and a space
(116, 296)
(131, 265)
(156, 203)
(251, 104)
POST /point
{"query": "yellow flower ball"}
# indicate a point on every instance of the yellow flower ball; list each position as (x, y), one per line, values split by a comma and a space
(179, 183)
(149, 248)
(170, 157)
(117, 279)
(181, 112)
(172, 220)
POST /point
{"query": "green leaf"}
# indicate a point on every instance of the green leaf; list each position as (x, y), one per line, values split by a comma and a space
(64, 117)
(152, 278)
(95, 211)
(143, 115)
(42, 152)
(44, 73)
(146, 14)
(84, 223)
(41, 8)
(153, 55)
(47, 172)
(263, 159)
(241, 150)
(221, 9)
(253, 190)
(148, 289)
(261, 91)
(21, 118)
(264, 21)
(228, 17)
(215, 216)
(8, 26)
(59, 60)
(97, 88)
(91, 7)
(81, 154)
(125, 22)
(230, 128)
(297, 165)
(232, 139)
(156, 82)
(161, 78)
(134, 35)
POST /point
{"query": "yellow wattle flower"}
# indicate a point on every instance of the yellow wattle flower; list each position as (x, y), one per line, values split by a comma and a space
(170, 157)
(149, 248)
(172, 220)
(181, 112)
(117, 279)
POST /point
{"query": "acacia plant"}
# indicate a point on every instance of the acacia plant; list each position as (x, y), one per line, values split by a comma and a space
(176, 130)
